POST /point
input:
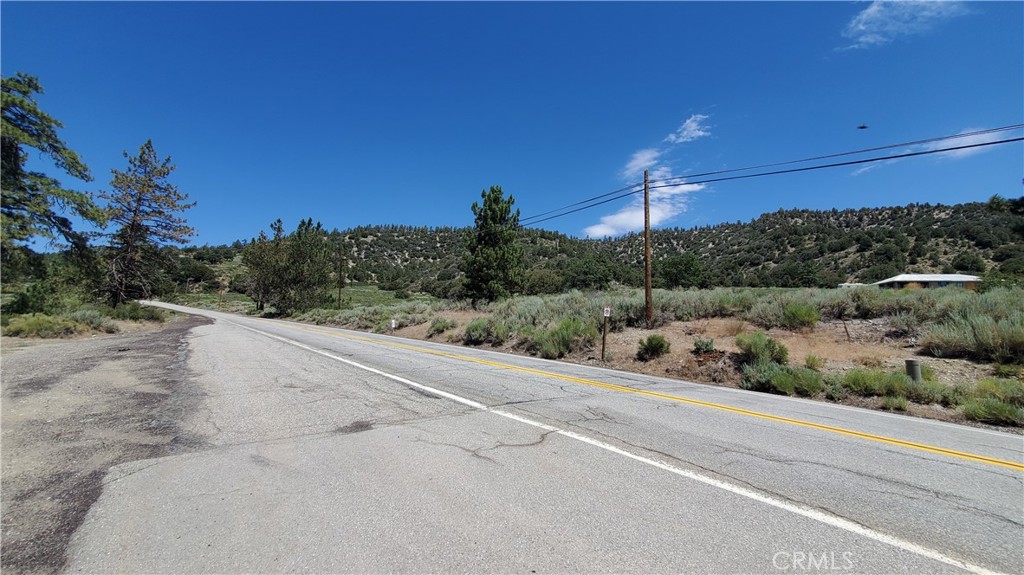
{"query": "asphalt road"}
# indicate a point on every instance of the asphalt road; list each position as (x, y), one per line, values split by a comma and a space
(335, 451)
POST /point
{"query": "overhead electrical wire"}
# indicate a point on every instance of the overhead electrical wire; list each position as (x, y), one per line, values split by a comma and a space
(628, 191)
(853, 153)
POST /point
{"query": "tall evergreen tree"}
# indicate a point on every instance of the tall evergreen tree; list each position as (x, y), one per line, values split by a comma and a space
(264, 258)
(493, 263)
(32, 203)
(146, 207)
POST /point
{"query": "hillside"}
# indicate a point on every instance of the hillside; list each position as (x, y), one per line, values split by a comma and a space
(785, 248)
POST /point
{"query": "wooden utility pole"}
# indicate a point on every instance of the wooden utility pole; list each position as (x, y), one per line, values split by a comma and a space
(341, 273)
(648, 295)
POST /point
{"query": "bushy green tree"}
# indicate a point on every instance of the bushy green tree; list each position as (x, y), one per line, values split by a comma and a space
(264, 260)
(683, 270)
(292, 273)
(32, 203)
(493, 262)
(146, 207)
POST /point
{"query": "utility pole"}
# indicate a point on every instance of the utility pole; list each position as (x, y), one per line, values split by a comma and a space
(341, 273)
(648, 295)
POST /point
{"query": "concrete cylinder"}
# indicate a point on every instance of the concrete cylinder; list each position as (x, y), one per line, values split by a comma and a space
(914, 369)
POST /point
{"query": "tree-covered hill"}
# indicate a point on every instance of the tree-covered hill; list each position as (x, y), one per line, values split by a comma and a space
(785, 248)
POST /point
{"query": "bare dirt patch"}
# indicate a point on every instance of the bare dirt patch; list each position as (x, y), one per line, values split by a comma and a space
(71, 410)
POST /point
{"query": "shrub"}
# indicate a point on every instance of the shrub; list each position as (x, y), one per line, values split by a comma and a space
(991, 410)
(440, 325)
(894, 403)
(477, 331)
(905, 323)
(767, 313)
(760, 376)
(758, 347)
(814, 362)
(1008, 371)
(988, 336)
(95, 320)
(927, 372)
(871, 382)
(807, 382)
(800, 315)
(835, 391)
(137, 312)
(924, 392)
(569, 335)
(653, 347)
(954, 395)
(42, 325)
(703, 345)
(1006, 390)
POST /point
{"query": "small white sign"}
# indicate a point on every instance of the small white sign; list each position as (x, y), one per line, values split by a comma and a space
(394, 323)
(607, 311)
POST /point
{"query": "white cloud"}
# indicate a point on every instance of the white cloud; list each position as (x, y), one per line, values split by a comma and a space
(885, 20)
(940, 145)
(666, 203)
(965, 141)
(690, 130)
(641, 160)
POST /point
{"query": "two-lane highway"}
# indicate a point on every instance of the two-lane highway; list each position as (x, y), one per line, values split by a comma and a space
(335, 451)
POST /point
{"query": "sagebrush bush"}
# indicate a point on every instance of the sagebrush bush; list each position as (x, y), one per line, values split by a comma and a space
(1006, 390)
(571, 334)
(760, 376)
(814, 362)
(758, 347)
(905, 323)
(991, 410)
(652, 347)
(42, 325)
(478, 331)
(894, 403)
(799, 315)
(440, 325)
(996, 337)
(703, 345)
(767, 313)
(95, 319)
(135, 311)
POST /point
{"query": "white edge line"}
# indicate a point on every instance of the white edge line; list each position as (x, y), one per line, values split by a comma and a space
(813, 514)
(697, 386)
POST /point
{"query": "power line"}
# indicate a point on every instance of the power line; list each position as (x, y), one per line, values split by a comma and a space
(618, 194)
(533, 220)
(855, 152)
(618, 191)
(850, 163)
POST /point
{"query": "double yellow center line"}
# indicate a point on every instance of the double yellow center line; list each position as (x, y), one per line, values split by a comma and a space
(737, 410)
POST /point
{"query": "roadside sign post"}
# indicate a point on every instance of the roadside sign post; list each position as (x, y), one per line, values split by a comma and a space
(604, 332)
(394, 324)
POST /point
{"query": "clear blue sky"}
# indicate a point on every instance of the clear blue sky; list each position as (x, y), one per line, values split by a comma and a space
(401, 113)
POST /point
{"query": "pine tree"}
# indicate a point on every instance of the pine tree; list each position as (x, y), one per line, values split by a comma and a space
(32, 202)
(146, 206)
(493, 262)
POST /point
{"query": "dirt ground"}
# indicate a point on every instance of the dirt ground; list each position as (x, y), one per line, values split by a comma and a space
(70, 410)
(858, 343)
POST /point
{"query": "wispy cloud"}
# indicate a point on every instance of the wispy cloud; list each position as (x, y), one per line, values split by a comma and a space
(667, 202)
(885, 21)
(965, 141)
(941, 145)
(640, 161)
(690, 130)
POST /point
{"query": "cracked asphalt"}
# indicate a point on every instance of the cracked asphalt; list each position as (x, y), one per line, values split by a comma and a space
(312, 464)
